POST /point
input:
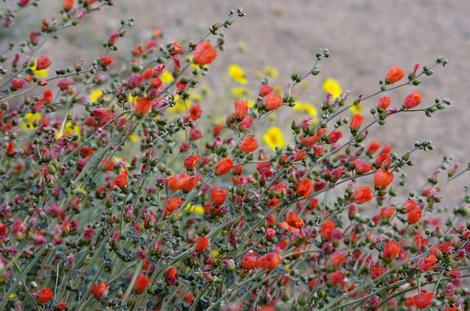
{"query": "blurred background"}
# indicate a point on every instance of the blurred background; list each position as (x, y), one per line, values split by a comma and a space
(365, 38)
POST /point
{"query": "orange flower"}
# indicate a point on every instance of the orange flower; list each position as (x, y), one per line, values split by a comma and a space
(304, 188)
(293, 220)
(391, 250)
(427, 263)
(68, 4)
(268, 261)
(248, 144)
(171, 273)
(218, 196)
(248, 261)
(373, 147)
(412, 100)
(394, 74)
(191, 161)
(43, 62)
(382, 179)
(143, 106)
(176, 182)
(356, 122)
(106, 60)
(413, 211)
(387, 212)
(122, 179)
(362, 195)
(141, 283)
(241, 109)
(338, 258)
(273, 101)
(202, 244)
(44, 295)
(327, 229)
(384, 102)
(99, 290)
(172, 205)
(224, 166)
(191, 182)
(204, 53)
(423, 299)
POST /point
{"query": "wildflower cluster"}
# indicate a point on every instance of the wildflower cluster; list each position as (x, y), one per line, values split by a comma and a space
(117, 193)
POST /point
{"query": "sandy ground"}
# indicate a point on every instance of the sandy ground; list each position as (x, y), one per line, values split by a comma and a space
(364, 37)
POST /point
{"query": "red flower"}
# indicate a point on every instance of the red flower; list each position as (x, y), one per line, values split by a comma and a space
(387, 212)
(202, 244)
(265, 89)
(338, 258)
(44, 295)
(176, 182)
(141, 283)
(17, 84)
(224, 166)
(273, 101)
(192, 182)
(106, 60)
(172, 205)
(334, 136)
(241, 109)
(362, 166)
(304, 188)
(373, 147)
(68, 4)
(293, 220)
(391, 250)
(171, 273)
(191, 161)
(195, 112)
(362, 195)
(384, 102)
(122, 179)
(204, 53)
(335, 278)
(43, 62)
(248, 144)
(382, 179)
(423, 299)
(413, 211)
(412, 100)
(143, 106)
(394, 74)
(427, 263)
(383, 160)
(356, 122)
(327, 229)
(218, 196)
(268, 261)
(248, 261)
(100, 290)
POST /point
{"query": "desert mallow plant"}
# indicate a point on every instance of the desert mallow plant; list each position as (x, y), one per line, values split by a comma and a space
(109, 202)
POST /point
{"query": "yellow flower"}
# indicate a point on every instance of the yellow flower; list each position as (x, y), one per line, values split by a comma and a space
(133, 138)
(31, 120)
(180, 105)
(240, 92)
(194, 209)
(40, 73)
(237, 73)
(332, 86)
(274, 138)
(215, 253)
(308, 108)
(167, 77)
(356, 109)
(250, 103)
(195, 96)
(95, 95)
(271, 72)
(68, 129)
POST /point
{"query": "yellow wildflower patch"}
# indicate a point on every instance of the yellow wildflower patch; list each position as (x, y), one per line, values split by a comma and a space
(274, 138)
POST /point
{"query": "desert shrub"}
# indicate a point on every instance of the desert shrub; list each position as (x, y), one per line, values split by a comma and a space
(118, 195)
